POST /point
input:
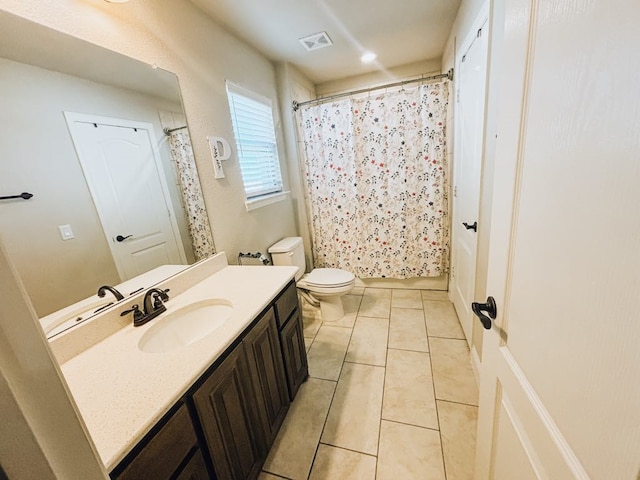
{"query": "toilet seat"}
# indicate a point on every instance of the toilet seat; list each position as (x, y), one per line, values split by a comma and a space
(327, 282)
(329, 277)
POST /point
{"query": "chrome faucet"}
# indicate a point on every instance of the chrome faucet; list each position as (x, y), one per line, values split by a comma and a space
(152, 306)
(102, 291)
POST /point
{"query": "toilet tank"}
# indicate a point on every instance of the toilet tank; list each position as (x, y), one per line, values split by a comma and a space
(289, 252)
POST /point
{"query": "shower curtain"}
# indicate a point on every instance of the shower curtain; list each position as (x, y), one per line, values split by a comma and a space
(376, 180)
(192, 199)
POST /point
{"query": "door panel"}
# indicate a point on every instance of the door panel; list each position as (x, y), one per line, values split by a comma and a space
(127, 187)
(559, 374)
(470, 117)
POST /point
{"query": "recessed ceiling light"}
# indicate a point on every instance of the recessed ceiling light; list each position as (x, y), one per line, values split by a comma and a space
(368, 57)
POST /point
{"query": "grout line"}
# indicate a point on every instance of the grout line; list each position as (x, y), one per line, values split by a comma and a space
(411, 425)
(347, 449)
(457, 403)
(324, 424)
(446, 338)
(362, 363)
(384, 386)
(276, 475)
(330, 405)
(408, 350)
(433, 383)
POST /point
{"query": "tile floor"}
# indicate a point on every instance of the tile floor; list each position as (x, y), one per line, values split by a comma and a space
(391, 394)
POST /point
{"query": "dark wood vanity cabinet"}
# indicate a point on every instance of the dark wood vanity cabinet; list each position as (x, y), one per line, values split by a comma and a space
(262, 346)
(226, 408)
(294, 352)
(224, 426)
(166, 453)
(242, 404)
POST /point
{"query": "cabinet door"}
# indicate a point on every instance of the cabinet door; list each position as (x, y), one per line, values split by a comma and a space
(295, 353)
(262, 345)
(195, 469)
(162, 455)
(225, 403)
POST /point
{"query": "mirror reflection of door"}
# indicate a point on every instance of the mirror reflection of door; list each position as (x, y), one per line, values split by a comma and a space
(470, 118)
(122, 167)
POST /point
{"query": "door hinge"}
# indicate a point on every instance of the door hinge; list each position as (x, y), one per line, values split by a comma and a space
(455, 190)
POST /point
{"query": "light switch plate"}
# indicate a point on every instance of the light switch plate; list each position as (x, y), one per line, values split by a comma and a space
(65, 232)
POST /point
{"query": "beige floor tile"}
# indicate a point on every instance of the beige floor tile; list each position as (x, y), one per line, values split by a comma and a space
(268, 476)
(407, 330)
(442, 320)
(311, 321)
(369, 341)
(307, 343)
(458, 431)
(408, 389)
(292, 452)
(437, 295)
(357, 291)
(408, 452)
(351, 304)
(376, 302)
(327, 352)
(406, 299)
(354, 417)
(452, 374)
(333, 463)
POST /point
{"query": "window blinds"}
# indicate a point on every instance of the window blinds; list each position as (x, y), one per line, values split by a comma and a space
(255, 139)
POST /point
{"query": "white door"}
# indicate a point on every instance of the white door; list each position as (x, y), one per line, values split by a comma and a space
(124, 175)
(560, 375)
(470, 120)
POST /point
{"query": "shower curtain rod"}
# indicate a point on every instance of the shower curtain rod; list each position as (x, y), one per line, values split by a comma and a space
(297, 105)
(169, 131)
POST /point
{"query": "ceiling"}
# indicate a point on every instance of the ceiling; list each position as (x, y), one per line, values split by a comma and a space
(400, 32)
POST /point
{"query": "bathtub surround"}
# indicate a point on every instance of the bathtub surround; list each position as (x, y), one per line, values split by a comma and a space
(376, 178)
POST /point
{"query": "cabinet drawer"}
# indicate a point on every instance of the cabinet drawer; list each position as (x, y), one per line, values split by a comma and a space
(286, 303)
(167, 449)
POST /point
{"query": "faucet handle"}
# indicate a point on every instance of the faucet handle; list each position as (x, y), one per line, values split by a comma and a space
(137, 313)
(159, 299)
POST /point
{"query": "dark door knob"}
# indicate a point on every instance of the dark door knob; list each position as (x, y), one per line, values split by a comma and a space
(120, 238)
(473, 227)
(489, 308)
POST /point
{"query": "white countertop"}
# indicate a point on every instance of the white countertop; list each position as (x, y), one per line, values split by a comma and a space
(122, 392)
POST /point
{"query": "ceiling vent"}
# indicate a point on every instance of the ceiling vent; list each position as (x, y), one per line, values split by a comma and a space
(316, 41)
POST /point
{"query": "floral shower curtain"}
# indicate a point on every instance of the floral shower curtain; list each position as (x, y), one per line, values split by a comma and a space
(192, 199)
(376, 178)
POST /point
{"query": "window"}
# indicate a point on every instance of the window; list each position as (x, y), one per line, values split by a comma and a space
(253, 129)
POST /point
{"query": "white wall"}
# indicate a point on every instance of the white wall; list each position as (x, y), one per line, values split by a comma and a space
(40, 434)
(293, 85)
(38, 156)
(379, 77)
(178, 37)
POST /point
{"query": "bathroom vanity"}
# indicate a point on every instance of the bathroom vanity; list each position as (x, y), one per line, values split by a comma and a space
(212, 407)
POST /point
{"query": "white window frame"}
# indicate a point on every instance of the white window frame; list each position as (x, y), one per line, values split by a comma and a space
(271, 190)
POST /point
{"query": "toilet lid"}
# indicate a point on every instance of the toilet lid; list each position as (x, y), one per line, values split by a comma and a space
(332, 277)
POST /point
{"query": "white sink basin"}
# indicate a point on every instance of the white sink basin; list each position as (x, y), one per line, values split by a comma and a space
(185, 326)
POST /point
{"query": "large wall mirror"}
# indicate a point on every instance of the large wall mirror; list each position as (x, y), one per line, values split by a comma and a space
(82, 128)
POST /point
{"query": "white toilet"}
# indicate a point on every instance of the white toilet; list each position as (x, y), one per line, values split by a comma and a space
(324, 286)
